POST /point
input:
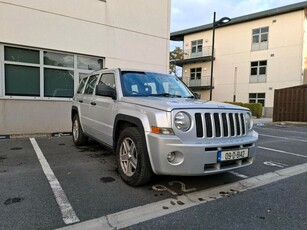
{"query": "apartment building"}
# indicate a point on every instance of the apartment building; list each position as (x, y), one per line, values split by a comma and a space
(46, 46)
(253, 55)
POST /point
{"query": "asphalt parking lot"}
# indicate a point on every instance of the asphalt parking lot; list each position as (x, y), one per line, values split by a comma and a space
(49, 183)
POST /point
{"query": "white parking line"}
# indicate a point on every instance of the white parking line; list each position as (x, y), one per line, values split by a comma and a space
(281, 151)
(238, 174)
(281, 130)
(147, 212)
(68, 214)
(284, 138)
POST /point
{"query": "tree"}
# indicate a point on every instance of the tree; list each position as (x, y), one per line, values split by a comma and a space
(175, 55)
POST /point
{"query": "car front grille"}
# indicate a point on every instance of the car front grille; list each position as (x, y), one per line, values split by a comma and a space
(218, 125)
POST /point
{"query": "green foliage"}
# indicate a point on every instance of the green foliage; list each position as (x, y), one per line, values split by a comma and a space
(176, 54)
(255, 108)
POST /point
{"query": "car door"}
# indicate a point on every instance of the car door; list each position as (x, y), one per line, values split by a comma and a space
(102, 110)
(85, 101)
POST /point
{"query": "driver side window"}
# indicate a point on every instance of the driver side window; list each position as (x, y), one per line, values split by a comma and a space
(108, 79)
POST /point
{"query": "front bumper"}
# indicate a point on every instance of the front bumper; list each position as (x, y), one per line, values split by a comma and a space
(197, 158)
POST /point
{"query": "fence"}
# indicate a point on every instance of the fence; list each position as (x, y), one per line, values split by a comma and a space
(290, 104)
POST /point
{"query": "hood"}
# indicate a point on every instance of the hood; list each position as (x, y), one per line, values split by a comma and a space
(169, 104)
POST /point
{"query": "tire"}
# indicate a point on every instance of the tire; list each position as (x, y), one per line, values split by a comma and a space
(78, 135)
(132, 158)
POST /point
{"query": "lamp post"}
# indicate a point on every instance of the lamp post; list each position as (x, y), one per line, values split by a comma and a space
(215, 24)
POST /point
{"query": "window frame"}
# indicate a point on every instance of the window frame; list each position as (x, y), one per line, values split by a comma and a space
(260, 45)
(195, 73)
(197, 46)
(258, 76)
(256, 98)
(41, 67)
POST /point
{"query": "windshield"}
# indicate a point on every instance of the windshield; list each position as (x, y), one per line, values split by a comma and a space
(153, 84)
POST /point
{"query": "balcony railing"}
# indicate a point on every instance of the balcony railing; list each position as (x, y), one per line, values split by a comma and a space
(194, 57)
(206, 52)
(202, 83)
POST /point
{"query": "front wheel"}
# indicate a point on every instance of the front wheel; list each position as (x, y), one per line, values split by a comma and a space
(132, 158)
(78, 136)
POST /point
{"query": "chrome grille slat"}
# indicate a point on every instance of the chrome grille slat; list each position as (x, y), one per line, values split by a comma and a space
(220, 125)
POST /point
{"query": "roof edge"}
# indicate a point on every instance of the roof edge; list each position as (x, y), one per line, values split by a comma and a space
(179, 35)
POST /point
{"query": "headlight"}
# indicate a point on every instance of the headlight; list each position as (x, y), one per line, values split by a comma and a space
(249, 121)
(182, 121)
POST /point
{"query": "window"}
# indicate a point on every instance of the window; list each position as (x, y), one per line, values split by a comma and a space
(152, 84)
(108, 79)
(257, 98)
(196, 48)
(90, 86)
(30, 72)
(21, 80)
(21, 72)
(21, 55)
(195, 73)
(58, 83)
(260, 38)
(89, 63)
(81, 85)
(58, 59)
(258, 71)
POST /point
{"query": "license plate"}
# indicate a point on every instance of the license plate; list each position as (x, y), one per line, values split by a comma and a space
(231, 155)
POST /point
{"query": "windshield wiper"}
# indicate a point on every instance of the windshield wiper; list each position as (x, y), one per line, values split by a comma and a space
(164, 95)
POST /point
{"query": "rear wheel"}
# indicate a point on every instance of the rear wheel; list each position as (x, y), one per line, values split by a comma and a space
(78, 136)
(132, 158)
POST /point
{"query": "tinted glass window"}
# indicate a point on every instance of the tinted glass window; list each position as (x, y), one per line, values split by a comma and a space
(21, 55)
(21, 80)
(58, 83)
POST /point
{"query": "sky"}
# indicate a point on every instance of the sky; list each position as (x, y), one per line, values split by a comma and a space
(191, 13)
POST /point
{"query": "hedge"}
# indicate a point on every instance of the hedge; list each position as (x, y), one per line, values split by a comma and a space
(255, 108)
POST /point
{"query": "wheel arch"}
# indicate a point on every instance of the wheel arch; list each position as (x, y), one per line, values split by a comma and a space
(74, 111)
(123, 121)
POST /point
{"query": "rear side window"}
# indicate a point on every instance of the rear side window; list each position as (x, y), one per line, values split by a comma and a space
(81, 85)
(89, 89)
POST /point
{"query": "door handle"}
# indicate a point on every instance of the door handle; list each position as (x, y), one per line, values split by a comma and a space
(81, 101)
(93, 103)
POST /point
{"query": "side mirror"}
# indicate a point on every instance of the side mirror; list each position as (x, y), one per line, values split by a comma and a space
(105, 91)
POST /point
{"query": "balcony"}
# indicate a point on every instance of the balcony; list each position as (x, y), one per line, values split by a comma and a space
(198, 84)
(190, 56)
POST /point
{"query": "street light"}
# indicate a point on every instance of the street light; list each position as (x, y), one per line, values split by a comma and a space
(215, 24)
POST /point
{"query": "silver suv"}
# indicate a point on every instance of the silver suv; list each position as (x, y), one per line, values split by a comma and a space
(156, 125)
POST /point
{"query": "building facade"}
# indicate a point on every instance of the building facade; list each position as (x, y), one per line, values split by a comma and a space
(46, 46)
(254, 55)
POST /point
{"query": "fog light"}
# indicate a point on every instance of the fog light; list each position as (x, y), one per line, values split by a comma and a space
(171, 156)
(175, 158)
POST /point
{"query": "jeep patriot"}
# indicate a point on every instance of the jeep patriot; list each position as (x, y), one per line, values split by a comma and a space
(156, 125)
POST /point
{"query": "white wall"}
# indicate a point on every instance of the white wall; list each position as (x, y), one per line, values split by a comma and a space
(128, 34)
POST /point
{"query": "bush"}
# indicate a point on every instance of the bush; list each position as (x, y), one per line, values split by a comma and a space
(255, 108)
